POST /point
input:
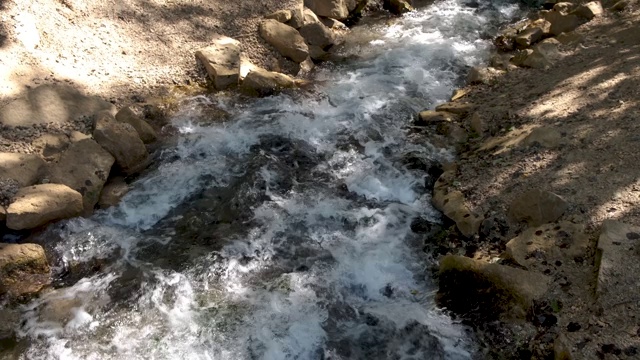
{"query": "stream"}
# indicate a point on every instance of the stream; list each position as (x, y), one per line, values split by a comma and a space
(285, 231)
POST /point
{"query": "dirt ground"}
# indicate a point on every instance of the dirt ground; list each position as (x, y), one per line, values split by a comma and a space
(122, 48)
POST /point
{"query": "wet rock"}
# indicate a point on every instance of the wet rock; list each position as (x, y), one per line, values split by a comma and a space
(429, 117)
(397, 7)
(113, 192)
(316, 34)
(59, 104)
(84, 167)
(50, 146)
(482, 75)
(547, 137)
(281, 15)
(127, 115)
(221, 59)
(553, 243)
(285, 39)
(537, 207)
(468, 285)
(39, 204)
(459, 108)
(336, 9)
(589, 10)
(25, 169)
(618, 262)
(452, 205)
(23, 270)
(122, 141)
(263, 83)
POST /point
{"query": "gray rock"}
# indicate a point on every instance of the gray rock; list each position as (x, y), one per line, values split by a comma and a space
(538, 207)
(221, 59)
(122, 142)
(262, 82)
(58, 104)
(285, 39)
(317, 34)
(23, 270)
(84, 167)
(145, 131)
(25, 169)
(40, 204)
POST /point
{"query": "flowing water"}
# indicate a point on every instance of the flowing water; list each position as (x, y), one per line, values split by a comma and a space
(283, 233)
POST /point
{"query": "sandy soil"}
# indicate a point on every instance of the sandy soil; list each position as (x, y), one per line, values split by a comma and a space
(122, 48)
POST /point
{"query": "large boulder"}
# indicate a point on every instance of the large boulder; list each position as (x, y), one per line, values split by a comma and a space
(316, 34)
(145, 131)
(468, 285)
(122, 141)
(221, 59)
(263, 83)
(23, 269)
(25, 169)
(58, 104)
(337, 9)
(84, 167)
(538, 207)
(285, 39)
(39, 204)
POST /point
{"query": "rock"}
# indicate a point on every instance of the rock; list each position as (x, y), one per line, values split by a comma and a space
(563, 242)
(529, 36)
(285, 39)
(538, 207)
(468, 285)
(305, 67)
(23, 270)
(618, 263)
(333, 24)
(482, 75)
(620, 5)
(8, 190)
(521, 56)
(316, 34)
(397, 7)
(50, 146)
(316, 53)
(262, 82)
(78, 136)
(113, 192)
(459, 94)
(562, 23)
(336, 9)
(547, 137)
(84, 167)
(146, 133)
(451, 203)
(9, 324)
(297, 18)
(3, 213)
(563, 7)
(281, 15)
(589, 10)
(39, 204)
(221, 59)
(505, 41)
(122, 141)
(58, 104)
(543, 55)
(458, 108)
(429, 117)
(569, 38)
(25, 169)
(477, 124)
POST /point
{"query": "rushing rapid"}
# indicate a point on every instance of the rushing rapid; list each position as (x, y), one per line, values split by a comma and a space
(284, 232)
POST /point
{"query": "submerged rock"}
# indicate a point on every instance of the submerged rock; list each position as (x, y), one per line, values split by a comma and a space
(39, 204)
(23, 270)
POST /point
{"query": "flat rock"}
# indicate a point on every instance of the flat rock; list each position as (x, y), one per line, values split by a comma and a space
(26, 169)
(39, 204)
(23, 269)
(281, 15)
(458, 108)
(316, 34)
(336, 9)
(121, 140)
(221, 59)
(263, 83)
(58, 104)
(538, 207)
(84, 167)
(128, 116)
(618, 262)
(471, 285)
(285, 39)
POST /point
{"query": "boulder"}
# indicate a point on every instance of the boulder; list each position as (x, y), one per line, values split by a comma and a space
(452, 205)
(538, 207)
(397, 7)
(113, 192)
(58, 104)
(429, 117)
(25, 169)
(618, 263)
(459, 108)
(84, 167)
(297, 18)
(562, 22)
(146, 133)
(333, 24)
(50, 146)
(316, 34)
(336, 9)
(281, 15)
(285, 39)
(263, 83)
(39, 204)
(544, 136)
(543, 55)
(482, 75)
(468, 285)
(529, 36)
(221, 59)
(589, 10)
(23, 270)
(122, 141)
(548, 243)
